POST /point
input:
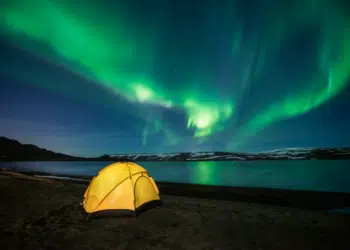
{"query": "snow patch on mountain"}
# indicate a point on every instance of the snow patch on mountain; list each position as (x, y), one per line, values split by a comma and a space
(284, 151)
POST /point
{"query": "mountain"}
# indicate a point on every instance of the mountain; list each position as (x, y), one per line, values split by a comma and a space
(278, 154)
(12, 150)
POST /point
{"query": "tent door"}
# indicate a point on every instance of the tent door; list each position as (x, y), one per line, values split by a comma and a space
(144, 191)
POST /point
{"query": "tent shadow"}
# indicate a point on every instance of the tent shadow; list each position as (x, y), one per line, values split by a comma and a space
(124, 213)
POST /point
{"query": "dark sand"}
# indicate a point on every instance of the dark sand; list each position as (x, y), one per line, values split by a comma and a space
(37, 213)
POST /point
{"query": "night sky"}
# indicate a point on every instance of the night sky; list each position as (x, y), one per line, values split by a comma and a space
(92, 77)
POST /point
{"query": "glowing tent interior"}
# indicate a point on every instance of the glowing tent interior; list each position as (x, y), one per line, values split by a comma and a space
(122, 188)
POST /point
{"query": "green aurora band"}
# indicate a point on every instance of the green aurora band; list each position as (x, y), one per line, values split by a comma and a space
(106, 46)
(320, 88)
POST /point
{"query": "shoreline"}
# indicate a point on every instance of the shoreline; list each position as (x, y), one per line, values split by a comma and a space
(303, 199)
(43, 213)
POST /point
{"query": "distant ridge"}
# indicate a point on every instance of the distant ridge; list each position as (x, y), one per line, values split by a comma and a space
(12, 150)
(278, 154)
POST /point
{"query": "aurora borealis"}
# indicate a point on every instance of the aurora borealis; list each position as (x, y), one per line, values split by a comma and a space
(182, 76)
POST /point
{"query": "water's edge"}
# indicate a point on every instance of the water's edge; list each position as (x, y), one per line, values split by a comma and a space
(331, 201)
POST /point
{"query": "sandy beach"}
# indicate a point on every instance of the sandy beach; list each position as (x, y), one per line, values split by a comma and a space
(39, 213)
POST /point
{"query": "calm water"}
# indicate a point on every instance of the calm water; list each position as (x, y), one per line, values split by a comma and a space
(302, 175)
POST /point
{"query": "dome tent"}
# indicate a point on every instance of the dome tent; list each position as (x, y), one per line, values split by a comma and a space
(122, 188)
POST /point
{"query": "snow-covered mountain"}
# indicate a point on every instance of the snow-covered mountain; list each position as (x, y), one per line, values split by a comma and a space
(12, 150)
(277, 154)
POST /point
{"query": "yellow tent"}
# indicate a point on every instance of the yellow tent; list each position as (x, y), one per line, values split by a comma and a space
(122, 188)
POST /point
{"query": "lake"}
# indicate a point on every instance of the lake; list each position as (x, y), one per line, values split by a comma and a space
(317, 175)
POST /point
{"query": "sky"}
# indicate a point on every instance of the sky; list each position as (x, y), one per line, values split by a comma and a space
(131, 76)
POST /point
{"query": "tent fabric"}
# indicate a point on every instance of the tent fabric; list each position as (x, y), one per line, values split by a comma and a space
(121, 188)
